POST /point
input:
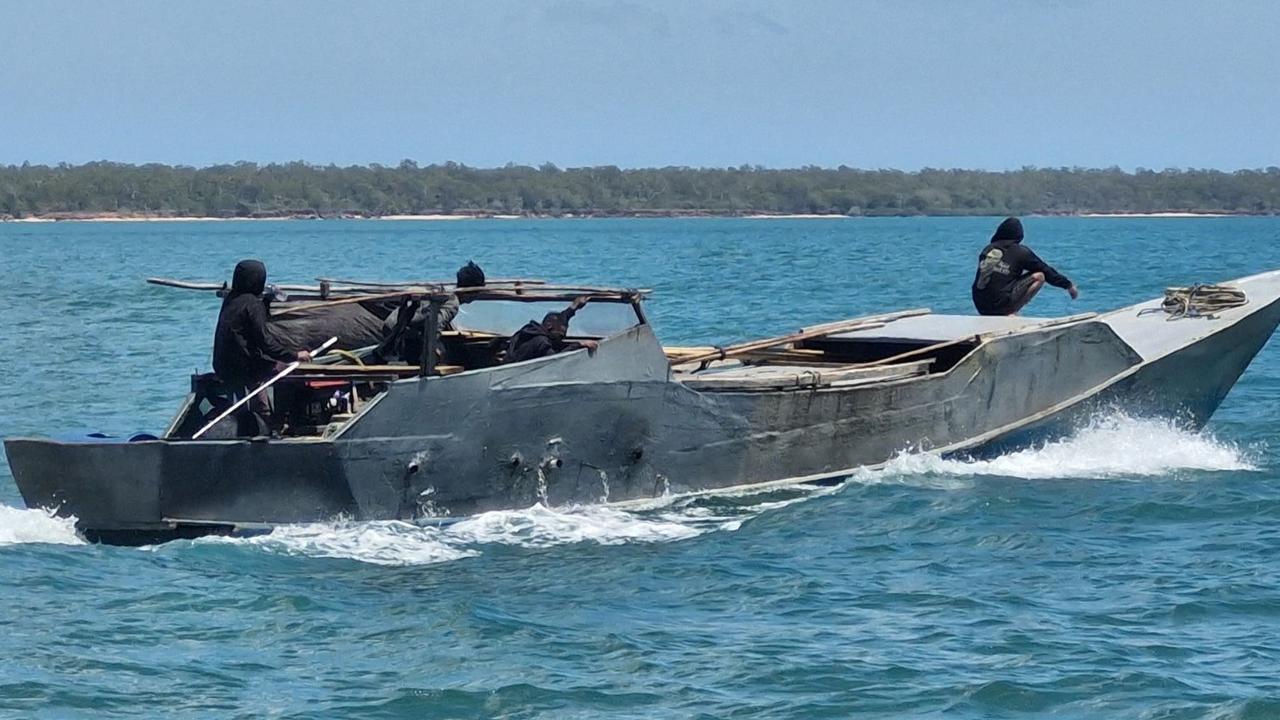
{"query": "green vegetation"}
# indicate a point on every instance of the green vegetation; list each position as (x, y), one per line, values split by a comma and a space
(301, 189)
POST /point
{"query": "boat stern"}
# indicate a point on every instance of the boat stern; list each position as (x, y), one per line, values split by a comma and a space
(142, 492)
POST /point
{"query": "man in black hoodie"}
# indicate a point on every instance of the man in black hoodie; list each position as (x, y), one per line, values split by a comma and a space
(1010, 274)
(405, 340)
(540, 339)
(244, 353)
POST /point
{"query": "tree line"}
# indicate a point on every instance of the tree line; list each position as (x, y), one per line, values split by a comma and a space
(301, 189)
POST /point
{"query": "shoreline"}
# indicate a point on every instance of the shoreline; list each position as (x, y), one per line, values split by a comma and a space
(1169, 214)
(447, 217)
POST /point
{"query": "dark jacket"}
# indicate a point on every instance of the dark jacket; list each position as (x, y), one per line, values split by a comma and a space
(408, 344)
(243, 352)
(529, 342)
(1002, 263)
(533, 340)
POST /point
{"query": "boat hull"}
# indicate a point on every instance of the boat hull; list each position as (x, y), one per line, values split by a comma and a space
(616, 426)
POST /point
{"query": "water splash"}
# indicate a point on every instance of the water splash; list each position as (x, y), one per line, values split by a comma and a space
(1112, 446)
(18, 526)
(379, 543)
(402, 543)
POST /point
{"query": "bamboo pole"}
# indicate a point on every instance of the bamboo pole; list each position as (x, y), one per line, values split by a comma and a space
(216, 286)
(416, 283)
(350, 300)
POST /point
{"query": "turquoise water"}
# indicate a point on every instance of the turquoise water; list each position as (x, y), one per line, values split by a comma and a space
(1129, 571)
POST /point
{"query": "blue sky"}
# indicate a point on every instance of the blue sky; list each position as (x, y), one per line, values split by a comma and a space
(896, 84)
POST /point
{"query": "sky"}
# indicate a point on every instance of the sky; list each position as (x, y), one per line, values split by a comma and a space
(899, 84)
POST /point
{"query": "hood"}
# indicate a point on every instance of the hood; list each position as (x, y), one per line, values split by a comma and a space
(250, 278)
(470, 275)
(1010, 231)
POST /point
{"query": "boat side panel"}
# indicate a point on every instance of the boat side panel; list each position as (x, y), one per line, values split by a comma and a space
(101, 484)
(738, 438)
(1186, 385)
(253, 482)
(483, 446)
(1192, 382)
(568, 428)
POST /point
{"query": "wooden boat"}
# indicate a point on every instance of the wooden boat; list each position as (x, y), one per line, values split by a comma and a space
(633, 420)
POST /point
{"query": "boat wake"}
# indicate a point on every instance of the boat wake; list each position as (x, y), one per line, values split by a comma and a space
(18, 526)
(402, 543)
(1110, 446)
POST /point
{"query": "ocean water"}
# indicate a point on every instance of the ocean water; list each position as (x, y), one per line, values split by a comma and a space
(1132, 570)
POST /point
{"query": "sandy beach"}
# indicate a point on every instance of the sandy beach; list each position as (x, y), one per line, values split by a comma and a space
(1155, 215)
(796, 216)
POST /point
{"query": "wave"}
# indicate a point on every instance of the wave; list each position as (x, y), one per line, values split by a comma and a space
(19, 526)
(1111, 446)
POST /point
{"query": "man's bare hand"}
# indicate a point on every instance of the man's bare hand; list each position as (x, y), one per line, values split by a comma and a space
(578, 302)
(591, 346)
(304, 356)
(1073, 291)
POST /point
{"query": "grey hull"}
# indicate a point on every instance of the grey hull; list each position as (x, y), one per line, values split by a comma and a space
(617, 427)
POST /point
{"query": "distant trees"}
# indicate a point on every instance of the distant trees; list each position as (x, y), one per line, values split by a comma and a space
(250, 190)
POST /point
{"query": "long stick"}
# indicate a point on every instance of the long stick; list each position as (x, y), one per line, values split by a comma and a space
(350, 300)
(419, 283)
(198, 285)
(288, 369)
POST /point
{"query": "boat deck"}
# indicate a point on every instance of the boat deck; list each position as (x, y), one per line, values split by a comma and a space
(933, 328)
(1151, 334)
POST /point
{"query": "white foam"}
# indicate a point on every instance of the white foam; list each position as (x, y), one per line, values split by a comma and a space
(377, 543)
(1114, 446)
(540, 526)
(19, 526)
(402, 543)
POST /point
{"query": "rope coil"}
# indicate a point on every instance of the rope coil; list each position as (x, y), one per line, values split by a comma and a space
(1200, 300)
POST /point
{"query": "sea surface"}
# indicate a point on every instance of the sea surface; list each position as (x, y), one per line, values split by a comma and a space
(1132, 570)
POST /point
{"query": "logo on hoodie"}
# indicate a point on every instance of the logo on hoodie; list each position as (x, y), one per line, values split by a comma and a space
(992, 262)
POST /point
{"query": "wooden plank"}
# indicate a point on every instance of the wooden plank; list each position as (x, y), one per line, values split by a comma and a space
(814, 332)
(357, 370)
(783, 378)
(886, 318)
(1052, 322)
(350, 300)
(216, 286)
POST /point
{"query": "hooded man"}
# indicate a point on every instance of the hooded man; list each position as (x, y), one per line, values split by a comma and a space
(540, 339)
(1010, 274)
(244, 353)
(406, 341)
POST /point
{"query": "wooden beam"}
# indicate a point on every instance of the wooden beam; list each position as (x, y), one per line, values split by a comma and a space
(360, 370)
(804, 334)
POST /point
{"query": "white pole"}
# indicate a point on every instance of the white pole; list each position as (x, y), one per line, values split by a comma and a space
(288, 369)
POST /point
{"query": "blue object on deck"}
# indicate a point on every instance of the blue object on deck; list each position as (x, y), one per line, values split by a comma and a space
(95, 436)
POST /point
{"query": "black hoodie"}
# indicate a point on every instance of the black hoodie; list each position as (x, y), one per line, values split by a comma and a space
(1003, 262)
(243, 352)
(533, 341)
